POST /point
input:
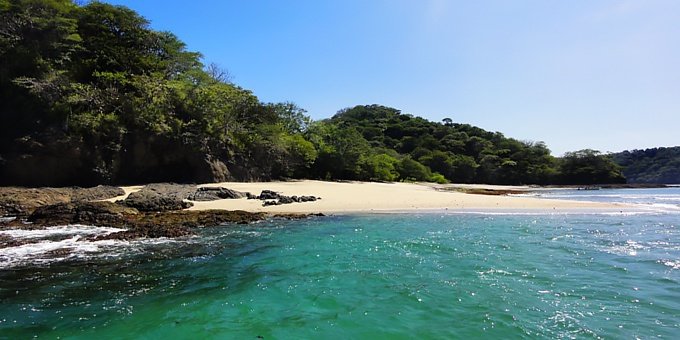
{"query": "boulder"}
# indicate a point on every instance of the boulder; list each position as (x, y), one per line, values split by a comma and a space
(274, 198)
(215, 193)
(269, 195)
(160, 197)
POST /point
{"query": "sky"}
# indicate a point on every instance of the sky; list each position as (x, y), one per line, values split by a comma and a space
(575, 74)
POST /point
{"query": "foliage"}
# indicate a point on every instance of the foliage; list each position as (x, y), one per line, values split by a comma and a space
(380, 167)
(590, 167)
(657, 165)
(412, 170)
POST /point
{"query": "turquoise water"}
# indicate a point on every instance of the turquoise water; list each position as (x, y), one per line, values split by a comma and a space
(372, 277)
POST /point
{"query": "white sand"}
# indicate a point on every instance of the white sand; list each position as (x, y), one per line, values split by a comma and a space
(366, 197)
(356, 197)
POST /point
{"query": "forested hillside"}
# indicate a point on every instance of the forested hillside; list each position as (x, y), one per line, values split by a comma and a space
(657, 165)
(380, 143)
(90, 94)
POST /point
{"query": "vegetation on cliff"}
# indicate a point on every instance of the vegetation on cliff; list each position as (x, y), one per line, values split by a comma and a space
(91, 94)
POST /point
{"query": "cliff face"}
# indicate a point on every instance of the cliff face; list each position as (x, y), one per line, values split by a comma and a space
(59, 160)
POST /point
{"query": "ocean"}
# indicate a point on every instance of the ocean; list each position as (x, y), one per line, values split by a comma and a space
(434, 275)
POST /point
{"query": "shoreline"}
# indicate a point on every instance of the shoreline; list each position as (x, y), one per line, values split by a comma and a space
(372, 197)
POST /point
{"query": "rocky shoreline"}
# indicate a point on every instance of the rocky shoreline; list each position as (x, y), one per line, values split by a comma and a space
(155, 211)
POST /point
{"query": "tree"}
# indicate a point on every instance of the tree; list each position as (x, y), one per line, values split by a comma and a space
(589, 167)
(291, 117)
(412, 170)
(380, 167)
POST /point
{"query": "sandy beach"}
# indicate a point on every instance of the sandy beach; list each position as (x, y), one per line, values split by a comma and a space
(366, 197)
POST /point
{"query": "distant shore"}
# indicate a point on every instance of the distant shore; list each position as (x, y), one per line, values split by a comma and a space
(367, 197)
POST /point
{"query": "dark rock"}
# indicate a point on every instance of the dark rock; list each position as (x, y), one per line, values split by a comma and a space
(269, 195)
(23, 201)
(179, 223)
(60, 252)
(160, 197)
(192, 219)
(286, 200)
(49, 158)
(251, 196)
(296, 216)
(8, 241)
(89, 213)
(155, 203)
(138, 224)
(147, 230)
(216, 193)
(100, 192)
(270, 202)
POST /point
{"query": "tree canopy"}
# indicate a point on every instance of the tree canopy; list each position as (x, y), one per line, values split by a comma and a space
(656, 165)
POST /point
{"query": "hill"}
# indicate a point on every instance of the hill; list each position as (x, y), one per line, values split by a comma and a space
(656, 165)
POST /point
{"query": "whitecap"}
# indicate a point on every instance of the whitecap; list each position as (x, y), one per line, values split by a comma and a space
(66, 230)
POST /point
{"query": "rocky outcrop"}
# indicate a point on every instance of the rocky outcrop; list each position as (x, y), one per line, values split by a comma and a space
(47, 159)
(215, 193)
(274, 198)
(23, 201)
(89, 213)
(160, 197)
(137, 224)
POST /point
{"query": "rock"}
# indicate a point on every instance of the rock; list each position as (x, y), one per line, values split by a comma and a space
(88, 213)
(145, 202)
(192, 219)
(23, 201)
(268, 195)
(100, 192)
(297, 216)
(179, 223)
(286, 200)
(8, 241)
(160, 197)
(138, 224)
(216, 193)
(48, 158)
(147, 230)
(274, 198)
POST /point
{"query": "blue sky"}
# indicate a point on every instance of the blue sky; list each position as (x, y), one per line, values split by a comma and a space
(575, 74)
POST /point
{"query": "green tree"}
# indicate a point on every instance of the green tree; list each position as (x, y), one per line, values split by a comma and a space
(380, 167)
(589, 167)
(412, 170)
